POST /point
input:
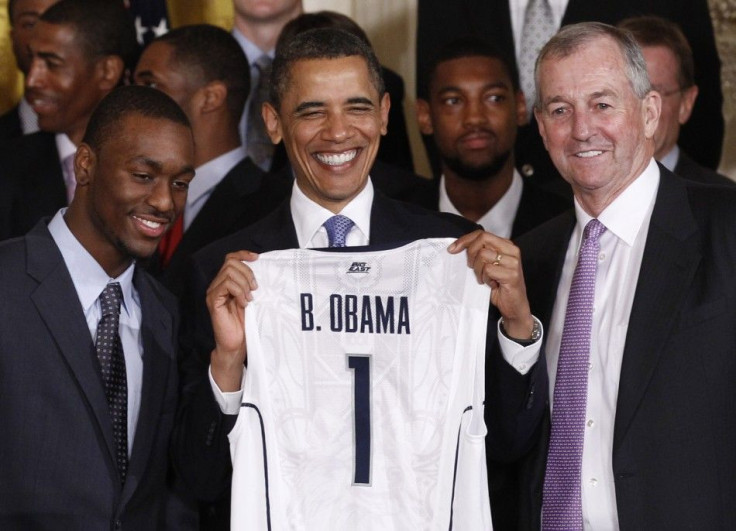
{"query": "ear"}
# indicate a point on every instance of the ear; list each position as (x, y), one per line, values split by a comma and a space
(424, 117)
(110, 70)
(522, 116)
(689, 95)
(651, 108)
(384, 108)
(273, 124)
(214, 96)
(85, 161)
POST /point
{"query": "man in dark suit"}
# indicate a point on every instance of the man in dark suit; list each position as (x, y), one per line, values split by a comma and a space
(671, 70)
(636, 292)
(496, 21)
(22, 15)
(88, 432)
(204, 70)
(79, 53)
(473, 109)
(328, 105)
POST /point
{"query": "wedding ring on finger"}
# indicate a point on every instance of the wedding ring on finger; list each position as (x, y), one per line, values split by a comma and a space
(497, 261)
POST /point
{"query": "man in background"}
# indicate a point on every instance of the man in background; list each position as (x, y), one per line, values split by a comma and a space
(22, 15)
(672, 72)
(204, 70)
(79, 52)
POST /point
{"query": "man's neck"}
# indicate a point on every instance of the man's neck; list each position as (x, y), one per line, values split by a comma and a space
(474, 198)
(211, 142)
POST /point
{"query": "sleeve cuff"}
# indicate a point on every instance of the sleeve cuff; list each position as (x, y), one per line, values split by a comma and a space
(229, 402)
(520, 357)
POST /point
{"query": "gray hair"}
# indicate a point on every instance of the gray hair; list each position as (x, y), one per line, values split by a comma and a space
(571, 38)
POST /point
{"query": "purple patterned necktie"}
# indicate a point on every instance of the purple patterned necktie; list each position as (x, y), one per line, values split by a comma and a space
(562, 504)
(337, 229)
(112, 364)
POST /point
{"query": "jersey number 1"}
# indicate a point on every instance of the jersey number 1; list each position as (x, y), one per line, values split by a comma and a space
(361, 399)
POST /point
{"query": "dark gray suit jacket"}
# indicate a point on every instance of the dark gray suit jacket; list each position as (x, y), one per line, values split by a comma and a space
(674, 462)
(201, 449)
(692, 171)
(57, 451)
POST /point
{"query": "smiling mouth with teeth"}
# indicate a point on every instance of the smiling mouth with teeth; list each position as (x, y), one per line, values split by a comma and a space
(336, 159)
(588, 154)
(148, 223)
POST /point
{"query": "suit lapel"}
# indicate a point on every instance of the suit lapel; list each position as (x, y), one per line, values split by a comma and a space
(281, 233)
(157, 332)
(67, 325)
(671, 257)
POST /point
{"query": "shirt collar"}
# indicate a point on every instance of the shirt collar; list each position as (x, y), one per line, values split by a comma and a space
(87, 275)
(669, 161)
(499, 219)
(252, 52)
(64, 146)
(209, 174)
(309, 216)
(625, 216)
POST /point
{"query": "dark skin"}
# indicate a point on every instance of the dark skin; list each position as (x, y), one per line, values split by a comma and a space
(130, 189)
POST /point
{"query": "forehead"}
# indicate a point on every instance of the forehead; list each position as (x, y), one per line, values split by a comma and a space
(156, 56)
(661, 60)
(595, 66)
(472, 69)
(30, 7)
(135, 135)
(55, 38)
(330, 79)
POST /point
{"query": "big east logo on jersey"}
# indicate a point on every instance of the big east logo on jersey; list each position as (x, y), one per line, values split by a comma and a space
(359, 267)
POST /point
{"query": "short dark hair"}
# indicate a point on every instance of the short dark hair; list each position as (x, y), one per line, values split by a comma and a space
(124, 101)
(472, 47)
(320, 19)
(657, 31)
(212, 54)
(102, 27)
(321, 43)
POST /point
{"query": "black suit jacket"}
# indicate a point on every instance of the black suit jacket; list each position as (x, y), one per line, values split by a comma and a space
(692, 171)
(440, 21)
(31, 183)
(200, 442)
(674, 462)
(243, 196)
(10, 126)
(57, 454)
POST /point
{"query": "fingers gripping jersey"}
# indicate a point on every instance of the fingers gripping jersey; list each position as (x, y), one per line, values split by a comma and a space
(363, 398)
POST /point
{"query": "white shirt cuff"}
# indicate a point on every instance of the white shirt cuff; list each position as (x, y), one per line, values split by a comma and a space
(229, 402)
(518, 356)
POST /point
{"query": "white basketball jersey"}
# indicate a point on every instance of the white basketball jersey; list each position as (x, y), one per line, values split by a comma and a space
(363, 398)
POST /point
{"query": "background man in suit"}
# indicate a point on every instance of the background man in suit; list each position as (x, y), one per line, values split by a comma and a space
(90, 430)
(671, 70)
(23, 15)
(204, 70)
(473, 109)
(79, 53)
(636, 294)
(503, 23)
(329, 106)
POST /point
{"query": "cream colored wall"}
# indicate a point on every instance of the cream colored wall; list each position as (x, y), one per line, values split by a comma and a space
(391, 26)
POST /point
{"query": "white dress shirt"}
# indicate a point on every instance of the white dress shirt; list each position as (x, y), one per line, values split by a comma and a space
(28, 117)
(89, 280)
(499, 220)
(209, 176)
(669, 161)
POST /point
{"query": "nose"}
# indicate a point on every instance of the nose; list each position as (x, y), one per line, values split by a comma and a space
(36, 74)
(474, 114)
(337, 127)
(161, 198)
(581, 125)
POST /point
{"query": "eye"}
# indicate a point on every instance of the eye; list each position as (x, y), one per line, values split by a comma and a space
(496, 98)
(141, 176)
(451, 101)
(181, 184)
(602, 106)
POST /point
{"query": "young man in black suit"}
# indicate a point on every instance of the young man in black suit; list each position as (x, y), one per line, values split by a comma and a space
(329, 106)
(204, 70)
(473, 109)
(643, 277)
(88, 430)
(79, 52)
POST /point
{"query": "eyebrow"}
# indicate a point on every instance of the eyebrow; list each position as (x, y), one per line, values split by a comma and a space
(306, 105)
(487, 86)
(157, 166)
(46, 55)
